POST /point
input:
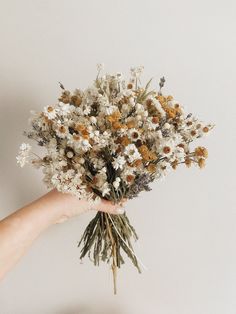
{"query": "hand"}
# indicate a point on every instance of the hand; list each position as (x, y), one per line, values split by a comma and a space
(20, 229)
(69, 206)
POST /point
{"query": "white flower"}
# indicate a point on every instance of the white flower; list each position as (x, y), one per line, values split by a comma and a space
(163, 167)
(139, 108)
(137, 71)
(64, 109)
(159, 134)
(128, 93)
(125, 108)
(103, 170)
(132, 101)
(85, 145)
(93, 120)
(133, 134)
(62, 131)
(179, 154)
(166, 147)
(86, 110)
(132, 153)
(119, 162)
(23, 157)
(95, 135)
(105, 189)
(159, 107)
(50, 112)
(150, 125)
(62, 163)
(116, 183)
(166, 126)
(109, 109)
(69, 154)
(25, 147)
(100, 67)
(98, 163)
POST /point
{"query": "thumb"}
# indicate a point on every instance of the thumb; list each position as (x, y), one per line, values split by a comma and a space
(109, 207)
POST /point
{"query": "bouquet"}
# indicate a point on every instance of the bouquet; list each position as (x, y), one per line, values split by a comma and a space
(110, 141)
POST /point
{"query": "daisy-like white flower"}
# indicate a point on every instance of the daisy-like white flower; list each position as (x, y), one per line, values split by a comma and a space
(25, 147)
(109, 109)
(159, 107)
(62, 131)
(64, 109)
(116, 183)
(95, 135)
(166, 147)
(86, 110)
(133, 134)
(105, 189)
(85, 145)
(137, 71)
(23, 156)
(93, 120)
(119, 162)
(179, 154)
(132, 152)
(50, 112)
(163, 168)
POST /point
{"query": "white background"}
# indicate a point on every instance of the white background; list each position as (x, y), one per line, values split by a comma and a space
(187, 224)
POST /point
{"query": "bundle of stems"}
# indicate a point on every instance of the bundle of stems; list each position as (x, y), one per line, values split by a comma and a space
(104, 239)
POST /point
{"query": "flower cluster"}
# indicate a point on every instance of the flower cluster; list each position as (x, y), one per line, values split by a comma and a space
(111, 141)
(24, 154)
(114, 138)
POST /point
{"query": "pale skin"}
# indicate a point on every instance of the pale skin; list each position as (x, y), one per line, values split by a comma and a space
(19, 230)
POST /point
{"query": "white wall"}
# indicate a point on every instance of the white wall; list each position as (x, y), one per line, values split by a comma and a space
(187, 224)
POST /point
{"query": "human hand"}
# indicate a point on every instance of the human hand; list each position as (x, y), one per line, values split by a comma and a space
(21, 228)
(68, 206)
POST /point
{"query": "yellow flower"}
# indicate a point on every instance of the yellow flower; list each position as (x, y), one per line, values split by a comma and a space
(65, 97)
(201, 163)
(80, 127)
(201, 152)
(114, 117)
(76, 100)
(151, 168)
(188, 162)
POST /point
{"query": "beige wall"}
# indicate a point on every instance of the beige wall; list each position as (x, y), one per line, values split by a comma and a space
(187, 224)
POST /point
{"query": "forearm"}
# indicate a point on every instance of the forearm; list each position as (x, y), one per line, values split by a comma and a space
(20, 229)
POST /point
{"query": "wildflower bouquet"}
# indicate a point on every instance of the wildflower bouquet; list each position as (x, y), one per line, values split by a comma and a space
(111, 141)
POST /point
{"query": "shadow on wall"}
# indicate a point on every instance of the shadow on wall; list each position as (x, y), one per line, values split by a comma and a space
(91, 310)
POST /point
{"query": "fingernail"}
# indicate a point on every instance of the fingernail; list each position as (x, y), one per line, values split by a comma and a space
(120, 211)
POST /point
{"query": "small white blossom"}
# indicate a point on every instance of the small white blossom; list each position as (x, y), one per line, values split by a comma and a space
(119, 162)
(116, 183)
(64, 109)
(50, 112)
(62, 131)
(132, 152)
(70, 154)
(93, 120)
(137, 71)
(105, 189)
(24, 153)
(100, 67)
(85, 145)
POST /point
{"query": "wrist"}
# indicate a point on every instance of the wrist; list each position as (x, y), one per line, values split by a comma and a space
(62, 206)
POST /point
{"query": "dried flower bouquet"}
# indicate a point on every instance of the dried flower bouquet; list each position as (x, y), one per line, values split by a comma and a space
(111, 141)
